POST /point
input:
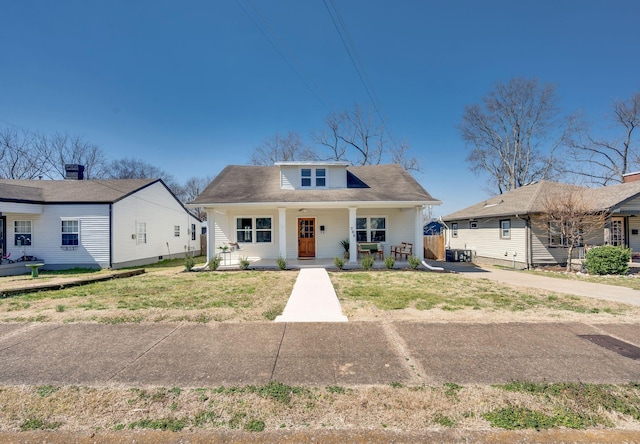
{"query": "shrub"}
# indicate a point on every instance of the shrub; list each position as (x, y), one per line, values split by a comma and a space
(282, 263)
(607, 260)
(339, 262)
(389, 262)
(189, 261)
(244, 263)
(413, 261)
(367, 261)
(214, 262)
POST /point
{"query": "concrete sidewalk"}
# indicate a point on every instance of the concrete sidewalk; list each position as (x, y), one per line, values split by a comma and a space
(313, 299)
(195, 355)
(612, 293)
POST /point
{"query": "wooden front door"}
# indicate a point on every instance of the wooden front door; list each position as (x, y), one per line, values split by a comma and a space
(307, 237)
(616, 235)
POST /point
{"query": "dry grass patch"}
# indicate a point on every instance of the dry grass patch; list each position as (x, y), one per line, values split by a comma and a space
(440, 296)
(629, 280)
(164, 296)
(277, 406)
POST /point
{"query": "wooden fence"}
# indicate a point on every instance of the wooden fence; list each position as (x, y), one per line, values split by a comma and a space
(434, 247)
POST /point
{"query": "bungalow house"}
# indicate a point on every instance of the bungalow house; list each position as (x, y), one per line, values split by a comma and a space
(507, 229)
(300, 210)
(92, 223)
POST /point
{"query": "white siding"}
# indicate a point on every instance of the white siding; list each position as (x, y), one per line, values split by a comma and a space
(160, 211)
(93, 248)
(486, 242)
(631, 206)
(634, 239)
(290, 177)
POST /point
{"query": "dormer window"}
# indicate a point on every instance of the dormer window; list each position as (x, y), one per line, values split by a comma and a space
(316, 177)
(306, 177)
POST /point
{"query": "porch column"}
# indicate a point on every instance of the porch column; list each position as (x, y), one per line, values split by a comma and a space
(211, 233)
(418, 249)
(282, 232)
(353, 245)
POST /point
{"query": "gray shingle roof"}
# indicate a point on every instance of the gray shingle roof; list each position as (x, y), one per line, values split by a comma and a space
(261, 184)
(70, 191)
(529, 199)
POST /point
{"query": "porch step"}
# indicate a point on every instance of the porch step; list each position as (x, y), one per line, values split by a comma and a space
(313, 299)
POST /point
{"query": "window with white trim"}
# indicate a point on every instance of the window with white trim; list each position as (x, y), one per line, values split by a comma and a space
(371, 229)
(141, 232)
(316, 177)
(454, 229)
(254, 230)
(70, 233)
(193, 231)
(22, 232)
(505, 229)
(560, 236)
(176, 231)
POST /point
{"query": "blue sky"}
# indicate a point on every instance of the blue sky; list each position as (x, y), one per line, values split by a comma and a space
(193, 86)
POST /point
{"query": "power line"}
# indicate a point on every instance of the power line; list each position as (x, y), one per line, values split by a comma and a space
(287, 55)
(347, 41)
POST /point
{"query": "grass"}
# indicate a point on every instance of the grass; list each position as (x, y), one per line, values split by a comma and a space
(165, 294)
(276, 406)
(425, 291)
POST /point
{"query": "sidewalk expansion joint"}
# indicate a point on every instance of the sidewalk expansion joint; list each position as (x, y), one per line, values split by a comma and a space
(154, 345)
(275, 362)
(415, 370)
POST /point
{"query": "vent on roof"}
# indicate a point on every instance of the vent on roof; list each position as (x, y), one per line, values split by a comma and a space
(74, 171)
(487, 204)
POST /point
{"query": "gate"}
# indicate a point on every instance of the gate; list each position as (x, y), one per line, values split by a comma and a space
(434, 247)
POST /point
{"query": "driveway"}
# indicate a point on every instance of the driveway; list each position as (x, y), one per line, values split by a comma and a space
(612, 293)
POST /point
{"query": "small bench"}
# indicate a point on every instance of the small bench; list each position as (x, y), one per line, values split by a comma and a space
(371, 248)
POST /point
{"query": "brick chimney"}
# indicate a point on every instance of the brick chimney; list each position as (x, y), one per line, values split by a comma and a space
(74, 171)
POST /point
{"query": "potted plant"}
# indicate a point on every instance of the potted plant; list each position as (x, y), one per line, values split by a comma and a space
(345, 244)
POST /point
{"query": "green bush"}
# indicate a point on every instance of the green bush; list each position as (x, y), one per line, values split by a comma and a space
(389, 262)
(367, 261)
(244, 263)
(189, 261)
(214, 262)
(339, 262)
(282, 263)
(413, 261)
(607, 260)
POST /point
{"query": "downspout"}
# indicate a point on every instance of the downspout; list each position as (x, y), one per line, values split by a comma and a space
(111, 236)
(447, 233)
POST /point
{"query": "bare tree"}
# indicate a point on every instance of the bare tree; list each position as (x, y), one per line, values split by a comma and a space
(191, 189)
(64, 149)
(21, 156)
(514, 134)
(280, 149)
(570, 216)
(601, 161)
(358, 136)
(131, 168)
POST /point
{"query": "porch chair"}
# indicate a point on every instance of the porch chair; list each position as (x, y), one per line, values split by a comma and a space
(405, 249)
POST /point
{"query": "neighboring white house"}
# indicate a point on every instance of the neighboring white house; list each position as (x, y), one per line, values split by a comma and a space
(93, 223)
(506, 229)
(304, 209)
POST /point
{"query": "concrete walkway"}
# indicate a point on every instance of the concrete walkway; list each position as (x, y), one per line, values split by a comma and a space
(313, 299)
(612, 293)
(347, 353)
